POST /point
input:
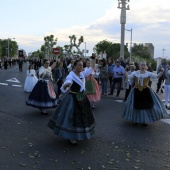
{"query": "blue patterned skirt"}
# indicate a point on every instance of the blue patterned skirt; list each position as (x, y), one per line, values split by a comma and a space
(73, 119)
(40, 98)
(153, 110)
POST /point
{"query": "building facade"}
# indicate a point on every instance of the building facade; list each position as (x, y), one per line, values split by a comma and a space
(151, 48)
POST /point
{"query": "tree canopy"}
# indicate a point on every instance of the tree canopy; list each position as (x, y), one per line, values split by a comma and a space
(112, 49)
(13, 48)
(141, 51)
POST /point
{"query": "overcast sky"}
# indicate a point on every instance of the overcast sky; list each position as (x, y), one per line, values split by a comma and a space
(28, 21)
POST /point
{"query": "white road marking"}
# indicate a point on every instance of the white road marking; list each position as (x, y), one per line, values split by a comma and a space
(14, 80)
(17, 85)
(5, 84)
(166, 121)
(119, 101)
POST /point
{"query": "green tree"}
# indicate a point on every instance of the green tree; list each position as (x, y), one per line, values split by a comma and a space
(13, 48)
(102, 46)
(112, 49)
(74, 47)
(0, 51)
(37, 54)
(49, 43)
(141, 51)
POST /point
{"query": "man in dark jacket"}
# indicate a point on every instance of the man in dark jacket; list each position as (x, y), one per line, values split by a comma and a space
(20, 63)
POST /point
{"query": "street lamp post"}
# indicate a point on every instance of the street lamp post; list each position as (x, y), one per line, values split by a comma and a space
(8, 45)
(163, 52)
(130, 42)
(85, 50)
(122, 5)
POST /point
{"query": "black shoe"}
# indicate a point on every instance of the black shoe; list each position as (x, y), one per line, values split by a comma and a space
(167, 107)
(73, 142)
(43, 112)
(110, 94)
(157, 91)
(144, 124)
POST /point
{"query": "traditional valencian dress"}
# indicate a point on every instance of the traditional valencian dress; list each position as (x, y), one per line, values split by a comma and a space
(92, 88)
(73, 118)
(43, 95)
(30, 80)
(143, 105)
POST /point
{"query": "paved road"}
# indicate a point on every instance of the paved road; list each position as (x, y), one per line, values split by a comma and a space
(27, 143)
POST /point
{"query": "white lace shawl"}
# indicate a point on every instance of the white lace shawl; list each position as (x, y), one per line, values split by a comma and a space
(79, 80)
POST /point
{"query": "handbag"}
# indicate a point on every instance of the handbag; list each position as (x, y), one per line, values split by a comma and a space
(90, 87)
(104, 76)
(80, 96)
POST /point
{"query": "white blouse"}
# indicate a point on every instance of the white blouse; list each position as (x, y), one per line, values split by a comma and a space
(142, 76)
(31, 72)
(44, 70)
(79, 80)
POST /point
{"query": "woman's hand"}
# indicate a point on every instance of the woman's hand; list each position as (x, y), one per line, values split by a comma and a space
(161, 68)
(67, 85)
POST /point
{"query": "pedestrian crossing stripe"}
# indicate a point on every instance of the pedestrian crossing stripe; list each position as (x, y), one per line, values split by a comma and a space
(5, 84)
(166, 121)
(17, 85)
(119, 101)
(14, 80)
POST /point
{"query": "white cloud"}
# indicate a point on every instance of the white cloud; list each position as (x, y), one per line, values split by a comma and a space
(148, 19)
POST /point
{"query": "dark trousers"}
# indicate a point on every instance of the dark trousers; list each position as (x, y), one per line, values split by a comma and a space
(160, 80)
(119, 82)
(59, 84)
(110, 81)
(127, 92)
(20, 67)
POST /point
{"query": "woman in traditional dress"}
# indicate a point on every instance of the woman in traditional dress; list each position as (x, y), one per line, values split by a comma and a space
(129, 83)
(143, 106)
(59, 76)
(73, 118)
(43, 95)
(92, 87)
(31, 79)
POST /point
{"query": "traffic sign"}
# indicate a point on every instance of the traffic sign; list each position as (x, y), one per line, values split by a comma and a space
(56, 51)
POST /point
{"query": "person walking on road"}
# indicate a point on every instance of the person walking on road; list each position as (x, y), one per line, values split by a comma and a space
(20, 63)
(143, 106)
(31, 79)
(43, 95)
(92, 87)
(161, 79)
(73, 118)
(167, 90)
(5, 63)
(59, 76)
(117, 72)
(129, 83)
(104, 76)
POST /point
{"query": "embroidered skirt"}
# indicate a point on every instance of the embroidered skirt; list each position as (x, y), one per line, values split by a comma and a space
(43, 96)
(95, 97)
(153, 112)
(73, 119)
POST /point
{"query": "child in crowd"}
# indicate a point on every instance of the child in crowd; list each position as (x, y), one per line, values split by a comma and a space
(31, 79)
